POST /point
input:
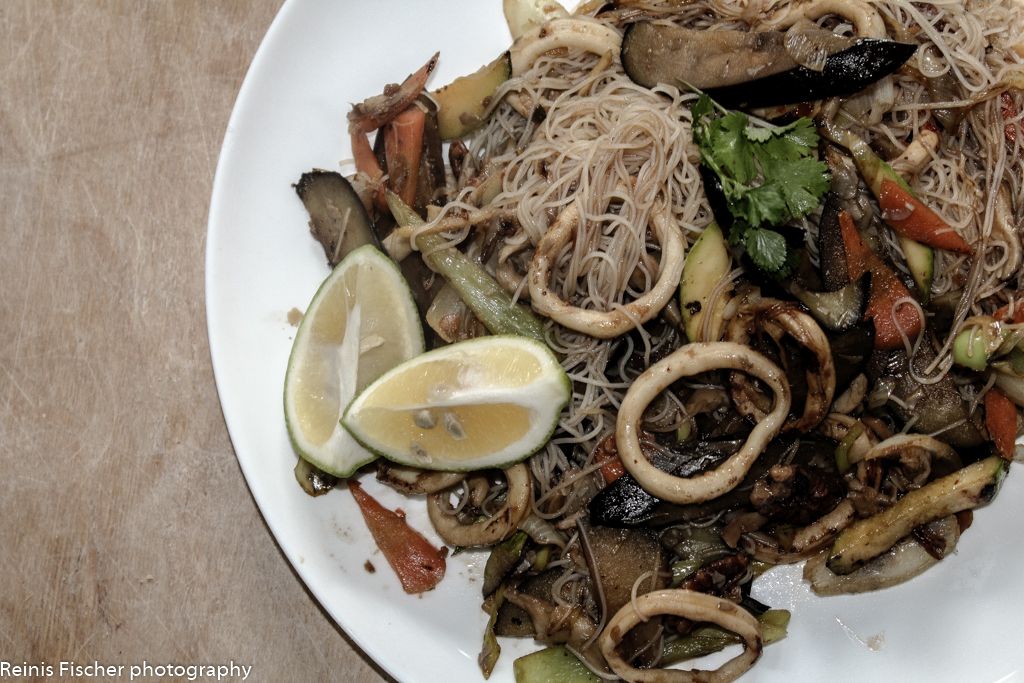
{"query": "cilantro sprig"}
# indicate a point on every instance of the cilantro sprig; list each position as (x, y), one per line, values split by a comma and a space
(769, 174)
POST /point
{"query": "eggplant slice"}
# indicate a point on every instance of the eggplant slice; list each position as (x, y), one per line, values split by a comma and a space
(337, 217)
(756, 69)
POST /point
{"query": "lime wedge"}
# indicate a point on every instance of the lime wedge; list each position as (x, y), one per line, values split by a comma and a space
(361, 322)
(486, 402)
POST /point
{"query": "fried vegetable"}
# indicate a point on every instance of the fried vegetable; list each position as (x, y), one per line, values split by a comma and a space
(462, 104)
(706, 264)
(337, 217)
(937, 407)
(620, 558)
(965, 489)
(552, 665)
(504, 557)
(312, 479)
(1001, 421)
(902, 562)
(481, 292)
(756, 69)
(419, 565)
(706, 640)
(838, 310)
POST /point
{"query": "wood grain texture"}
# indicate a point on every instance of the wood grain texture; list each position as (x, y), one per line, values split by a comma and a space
(126, 529)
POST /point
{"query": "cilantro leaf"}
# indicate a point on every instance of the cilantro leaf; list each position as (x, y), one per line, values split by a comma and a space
(769, 175)
(767, 249)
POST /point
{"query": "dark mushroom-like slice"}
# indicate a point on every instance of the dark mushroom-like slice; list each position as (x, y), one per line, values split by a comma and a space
(757, 69)
(337, 217)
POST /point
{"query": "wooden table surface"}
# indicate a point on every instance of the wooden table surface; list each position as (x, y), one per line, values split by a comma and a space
(127, 532)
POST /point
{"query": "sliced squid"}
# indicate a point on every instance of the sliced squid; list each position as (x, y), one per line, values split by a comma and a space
(686, 361)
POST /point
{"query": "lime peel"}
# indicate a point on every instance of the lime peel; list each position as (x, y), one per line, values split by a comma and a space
(361, 322)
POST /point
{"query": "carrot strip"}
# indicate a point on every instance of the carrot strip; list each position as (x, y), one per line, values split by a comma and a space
(886, 290)
(612, 469)
(1003, 312)
(1001, 421)
(367, 164)
(403, 147)
(858, 254)
(911, 218)
(419, 565)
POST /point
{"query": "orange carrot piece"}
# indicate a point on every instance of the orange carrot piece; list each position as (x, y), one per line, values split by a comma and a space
(910, 217)
(886, 290)
(1001, 421)
(858, 254)
(612, 469)
(419, 565)
(1003, 313)
(403, 147)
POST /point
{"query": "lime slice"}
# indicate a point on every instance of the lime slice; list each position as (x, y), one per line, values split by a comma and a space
(487, 402)
(361, 323)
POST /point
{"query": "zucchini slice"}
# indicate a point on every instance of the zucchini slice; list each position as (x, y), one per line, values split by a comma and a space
(706, 264)
(964, 489)
(462, 104)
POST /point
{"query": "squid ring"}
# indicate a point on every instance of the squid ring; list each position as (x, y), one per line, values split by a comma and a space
(688, 360)
(581, 33)
(604, 324)
(696, 607)
(779, 319)
(493, 529)
(865, 19)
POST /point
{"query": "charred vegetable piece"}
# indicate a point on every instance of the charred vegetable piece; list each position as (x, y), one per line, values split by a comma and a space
(419, 565)
(503, 559)
(706, 640)
(755, 69)
(935, 407)
(832, 259)
(514, 621)
(312, 479)
(461, 104)
(850, 352)
(876, 172)
(552, 665)
(839, 310)
(337, 218)
(481, 292)
(490, 649)
(902, 562)
(403, 149)
(892, 317)
(625, 503)
(431, 182)
(620, 557)
(965, 489)
(706, 264)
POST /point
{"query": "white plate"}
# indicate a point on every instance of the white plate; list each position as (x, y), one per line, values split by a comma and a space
(959, 622)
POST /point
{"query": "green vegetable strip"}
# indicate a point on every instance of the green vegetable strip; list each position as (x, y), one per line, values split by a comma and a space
(707, 640)
(875, 171)
(491, 650)
(481, 292)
